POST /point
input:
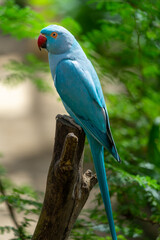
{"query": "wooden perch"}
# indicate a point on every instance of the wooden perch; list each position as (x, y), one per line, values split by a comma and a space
(67, 187)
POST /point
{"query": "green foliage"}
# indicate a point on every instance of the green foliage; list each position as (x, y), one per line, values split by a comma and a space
(21, 200)
(154, 142)
(20, 22)
(72, 26)
(122, 40)
(32, 68)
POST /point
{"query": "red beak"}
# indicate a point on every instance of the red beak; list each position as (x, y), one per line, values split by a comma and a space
(41, 41)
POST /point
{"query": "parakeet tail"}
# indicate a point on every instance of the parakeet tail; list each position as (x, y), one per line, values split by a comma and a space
(98, 158)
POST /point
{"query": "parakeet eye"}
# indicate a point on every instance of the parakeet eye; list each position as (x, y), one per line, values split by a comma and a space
(54, 34)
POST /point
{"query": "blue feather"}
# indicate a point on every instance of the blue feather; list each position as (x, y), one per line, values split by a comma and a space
(78, 85)
(98, 158)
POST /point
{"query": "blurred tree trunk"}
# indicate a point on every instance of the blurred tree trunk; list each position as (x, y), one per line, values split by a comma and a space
(67, 187)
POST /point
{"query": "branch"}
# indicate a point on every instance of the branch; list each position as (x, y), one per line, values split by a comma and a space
(67, 187)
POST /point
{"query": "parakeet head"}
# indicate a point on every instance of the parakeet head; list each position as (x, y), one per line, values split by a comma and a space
(55, 39)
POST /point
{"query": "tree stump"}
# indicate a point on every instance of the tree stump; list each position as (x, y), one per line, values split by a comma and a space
(67, 188)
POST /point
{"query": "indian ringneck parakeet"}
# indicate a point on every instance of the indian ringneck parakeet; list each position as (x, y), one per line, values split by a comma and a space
(78, 85)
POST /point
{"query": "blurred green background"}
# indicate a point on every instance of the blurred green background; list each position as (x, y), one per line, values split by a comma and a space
(122, 39)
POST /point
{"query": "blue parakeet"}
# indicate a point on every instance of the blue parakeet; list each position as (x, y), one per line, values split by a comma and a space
(78, 85)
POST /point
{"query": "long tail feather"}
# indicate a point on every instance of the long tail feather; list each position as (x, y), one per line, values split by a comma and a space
(98, 158)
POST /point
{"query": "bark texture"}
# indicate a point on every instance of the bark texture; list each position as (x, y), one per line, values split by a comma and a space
(67, 188)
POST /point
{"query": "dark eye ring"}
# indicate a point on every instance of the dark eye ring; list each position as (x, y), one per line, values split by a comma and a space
(54, 34)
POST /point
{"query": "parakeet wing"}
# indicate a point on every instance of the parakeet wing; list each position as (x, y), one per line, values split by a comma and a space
(78, 91)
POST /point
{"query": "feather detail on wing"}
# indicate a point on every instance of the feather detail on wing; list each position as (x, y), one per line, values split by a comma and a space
(78, 91)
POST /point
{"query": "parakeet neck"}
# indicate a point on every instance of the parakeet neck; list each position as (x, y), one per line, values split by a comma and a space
(74, 53)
